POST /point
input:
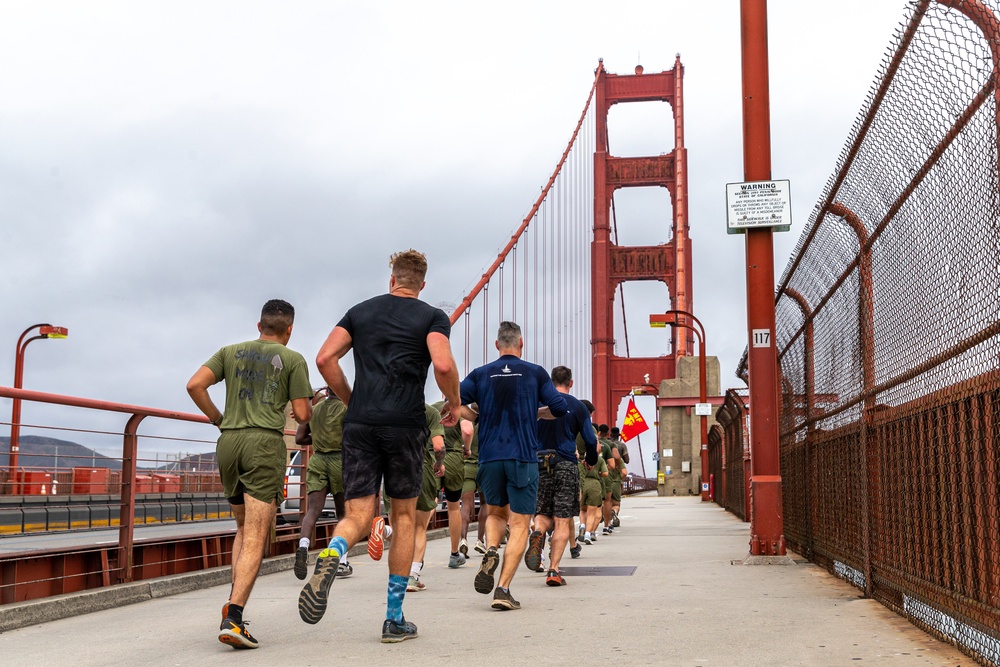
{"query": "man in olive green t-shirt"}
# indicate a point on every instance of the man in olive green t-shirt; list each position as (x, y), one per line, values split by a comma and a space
(324, 474)
(458, 446)
(433, 472)
(261, 377)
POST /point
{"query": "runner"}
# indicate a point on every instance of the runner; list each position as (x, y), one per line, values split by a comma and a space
(559, 478)
(395, 337)
(458, 445)
(324, 474)
(507, 393)
(261, 377)
(618, 477)
(469, 490)
(433, 473)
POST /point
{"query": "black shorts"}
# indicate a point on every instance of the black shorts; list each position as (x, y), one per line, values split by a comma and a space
(395, 453)
(559, 489)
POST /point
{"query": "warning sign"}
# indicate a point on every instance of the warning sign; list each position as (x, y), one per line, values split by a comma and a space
(758, 204)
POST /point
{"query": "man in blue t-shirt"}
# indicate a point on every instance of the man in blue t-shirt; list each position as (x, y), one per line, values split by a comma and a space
(395, 337)
(559, 477)
(504, 397)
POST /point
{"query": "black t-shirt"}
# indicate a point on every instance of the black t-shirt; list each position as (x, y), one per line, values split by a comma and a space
(389, 337)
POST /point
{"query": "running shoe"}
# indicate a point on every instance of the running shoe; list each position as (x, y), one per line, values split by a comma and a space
(344, 570)
(484, 578)
(225, 613)
(301, 568)
(376, 542)
(414, 585)
(615, 522)
(393, 632)
(576, 551)
(463, 547)
(580, 533)
(504, 601)
(606, 531)
(456, 560)
(480, 547)
(533, 556)
(312, 599)
(588, 539)
(236, 634)
(553, 578)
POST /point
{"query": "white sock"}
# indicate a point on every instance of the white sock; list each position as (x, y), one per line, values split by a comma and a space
(415, 569)
(343, 561)
(304, 542)
(388, 532)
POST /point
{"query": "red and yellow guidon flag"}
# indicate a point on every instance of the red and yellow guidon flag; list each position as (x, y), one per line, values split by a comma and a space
(634, 424)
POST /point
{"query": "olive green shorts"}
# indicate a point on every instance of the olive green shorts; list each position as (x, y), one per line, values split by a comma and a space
(616, 491)
(326, 473)
(252, 462)
(592, 496)
(452, 482)
(605, 486)
(427, 502)
(469, 483)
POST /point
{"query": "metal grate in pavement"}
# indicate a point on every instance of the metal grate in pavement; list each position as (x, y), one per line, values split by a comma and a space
(599, 571)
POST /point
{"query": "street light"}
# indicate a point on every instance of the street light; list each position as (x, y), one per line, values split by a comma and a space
(44, 331)
(682, 318)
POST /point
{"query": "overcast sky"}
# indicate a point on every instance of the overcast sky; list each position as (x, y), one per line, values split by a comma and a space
(165, 168)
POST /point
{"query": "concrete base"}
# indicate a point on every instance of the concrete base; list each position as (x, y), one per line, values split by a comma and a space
(765, 560)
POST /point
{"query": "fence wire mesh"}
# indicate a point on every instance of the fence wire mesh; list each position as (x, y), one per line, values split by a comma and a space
(887, 334)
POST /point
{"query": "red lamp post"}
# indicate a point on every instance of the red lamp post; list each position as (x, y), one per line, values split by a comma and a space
(682, 318)
(44, 331)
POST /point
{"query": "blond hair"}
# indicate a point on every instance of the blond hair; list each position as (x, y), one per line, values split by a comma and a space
(409, 268)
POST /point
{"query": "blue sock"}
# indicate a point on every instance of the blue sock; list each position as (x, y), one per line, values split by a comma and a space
(394, 603)
(337, 544)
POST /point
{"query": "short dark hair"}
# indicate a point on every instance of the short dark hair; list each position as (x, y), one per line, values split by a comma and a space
(409, 267)
(602, 428)
(589, 405)
(508, 334)
(561, 376)
(276, 316)
(615, 432)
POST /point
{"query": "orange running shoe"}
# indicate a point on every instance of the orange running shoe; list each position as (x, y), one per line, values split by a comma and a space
(376, 543)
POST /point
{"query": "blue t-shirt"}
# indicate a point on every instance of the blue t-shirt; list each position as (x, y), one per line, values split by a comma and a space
(509, 392)
(560, 433)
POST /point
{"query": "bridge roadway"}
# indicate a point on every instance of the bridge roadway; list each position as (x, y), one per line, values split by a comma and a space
(685, 604)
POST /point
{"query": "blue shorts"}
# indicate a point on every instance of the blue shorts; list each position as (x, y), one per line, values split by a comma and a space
(511, 483)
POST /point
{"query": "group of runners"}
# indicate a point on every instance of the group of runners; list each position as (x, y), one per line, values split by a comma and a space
(509, 431)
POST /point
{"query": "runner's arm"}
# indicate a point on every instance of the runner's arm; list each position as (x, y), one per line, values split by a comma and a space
(336, 345)
(197, 388)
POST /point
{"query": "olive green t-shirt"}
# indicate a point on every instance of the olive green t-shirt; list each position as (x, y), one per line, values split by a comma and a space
(452, 434)
(614, 474)
(434, 424)
(261, 377)
(474, 447)
(595, 472)
(327, 425)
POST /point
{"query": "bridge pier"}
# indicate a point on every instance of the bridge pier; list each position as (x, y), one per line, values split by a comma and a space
(679, 429)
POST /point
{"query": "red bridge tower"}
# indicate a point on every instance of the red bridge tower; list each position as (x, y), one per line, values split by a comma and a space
(612, 264)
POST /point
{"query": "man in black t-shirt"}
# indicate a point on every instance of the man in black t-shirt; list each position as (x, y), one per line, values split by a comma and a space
(395, 337)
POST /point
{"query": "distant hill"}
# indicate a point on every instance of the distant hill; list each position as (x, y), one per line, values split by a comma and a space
(49, 453)
(42, 452)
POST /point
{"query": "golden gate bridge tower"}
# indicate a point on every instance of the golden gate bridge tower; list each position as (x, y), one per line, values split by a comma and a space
(613, 264)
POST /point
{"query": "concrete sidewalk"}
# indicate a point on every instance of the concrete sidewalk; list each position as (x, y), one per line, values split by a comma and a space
(684, 604)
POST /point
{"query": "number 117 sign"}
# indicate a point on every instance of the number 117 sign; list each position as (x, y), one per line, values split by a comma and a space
(761, 338)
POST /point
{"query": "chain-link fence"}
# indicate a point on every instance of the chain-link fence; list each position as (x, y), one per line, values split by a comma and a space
(888, 334)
